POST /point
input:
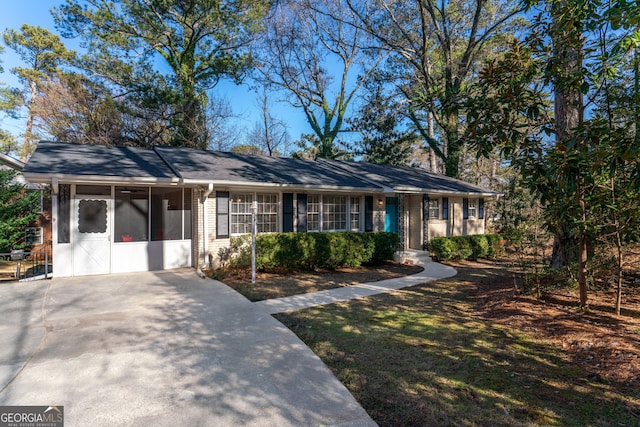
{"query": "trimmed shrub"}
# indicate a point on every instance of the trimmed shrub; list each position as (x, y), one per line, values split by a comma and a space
(307, 251)
(479, 246)
(466, 247)
(442, 248)
(385, 246)
(463, 247)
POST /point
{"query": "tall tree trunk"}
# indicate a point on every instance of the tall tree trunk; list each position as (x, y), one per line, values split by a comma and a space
(636, 92)
(453, 146)
(433, 161)
(619, 254)
(567, 41)
(28, 144)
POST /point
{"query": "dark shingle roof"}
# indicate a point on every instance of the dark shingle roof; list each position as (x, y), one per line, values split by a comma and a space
(60, 158)
(76, 161)
(231, 167)
(400, 178)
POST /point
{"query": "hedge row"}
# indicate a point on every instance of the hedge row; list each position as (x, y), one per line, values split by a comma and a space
(308, 251)
(466, 247)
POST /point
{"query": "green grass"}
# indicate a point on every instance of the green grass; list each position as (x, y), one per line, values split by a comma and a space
(420, 357)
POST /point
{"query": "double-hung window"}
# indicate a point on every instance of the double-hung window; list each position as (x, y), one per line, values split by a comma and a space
(267, 213)
(330, 213)
(354, 214)
(33, 236)
(434, 208)
(313, 212)
(240, 212)
(334, 213)
(473, 208)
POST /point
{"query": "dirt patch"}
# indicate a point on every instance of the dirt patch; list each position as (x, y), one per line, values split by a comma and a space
(606, 345)
(270, 285)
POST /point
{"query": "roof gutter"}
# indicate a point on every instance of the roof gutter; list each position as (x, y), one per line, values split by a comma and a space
(306, 187)
(11, 162)
(417, 190)
(46, 178)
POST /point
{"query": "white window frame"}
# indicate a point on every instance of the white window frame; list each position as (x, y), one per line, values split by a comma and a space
(240, 207)
(472, 209)
(267, 210)
(240, 204)
(355, 213)
(331, 213)
(314, 212)
(38, 234)
(435, 209)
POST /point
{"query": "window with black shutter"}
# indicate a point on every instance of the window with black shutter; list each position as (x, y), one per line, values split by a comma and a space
(302, 213)
(368, 213)
(445, 208)
(222, 214)
(287, 212)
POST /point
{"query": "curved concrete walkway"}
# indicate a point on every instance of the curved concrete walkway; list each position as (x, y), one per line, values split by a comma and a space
(169, 349)
(432, 271)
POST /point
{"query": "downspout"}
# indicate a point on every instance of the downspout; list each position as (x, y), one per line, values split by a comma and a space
(205, 228)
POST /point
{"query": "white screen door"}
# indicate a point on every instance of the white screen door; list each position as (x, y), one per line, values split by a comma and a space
(91, 244)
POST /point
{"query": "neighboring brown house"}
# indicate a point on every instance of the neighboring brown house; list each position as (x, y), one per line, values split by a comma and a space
(38, 236)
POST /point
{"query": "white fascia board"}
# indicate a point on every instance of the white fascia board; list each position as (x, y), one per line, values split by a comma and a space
(415, 190)
(11, 162)
(290, 187)
(100, 179)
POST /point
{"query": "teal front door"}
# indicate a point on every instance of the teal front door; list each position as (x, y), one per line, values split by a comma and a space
(391, 215)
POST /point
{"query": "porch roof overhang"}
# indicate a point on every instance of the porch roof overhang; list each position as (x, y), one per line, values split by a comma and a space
(78, 163)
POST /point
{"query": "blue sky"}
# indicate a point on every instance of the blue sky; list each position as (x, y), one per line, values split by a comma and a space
(14, 13)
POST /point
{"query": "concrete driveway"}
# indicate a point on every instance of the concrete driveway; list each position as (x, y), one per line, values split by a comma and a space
(160, 349)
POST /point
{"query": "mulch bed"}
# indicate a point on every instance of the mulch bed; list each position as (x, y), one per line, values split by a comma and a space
(272, 285)
(606, 345)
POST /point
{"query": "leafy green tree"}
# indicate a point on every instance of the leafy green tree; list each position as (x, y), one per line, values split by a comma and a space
(166, 53)
(435, 51)
(44, 53)
(564, 157)
(8, 106)
(18, 207)
(378, 121)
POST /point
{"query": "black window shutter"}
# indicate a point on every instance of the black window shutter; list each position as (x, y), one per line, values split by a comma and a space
(287, 212)
(302, 213)
(465, 208)
(222, 214)
(368, 213)
(481, 208)
(445, 208)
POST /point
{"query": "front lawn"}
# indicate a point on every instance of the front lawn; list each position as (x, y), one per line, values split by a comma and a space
(471, 351)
